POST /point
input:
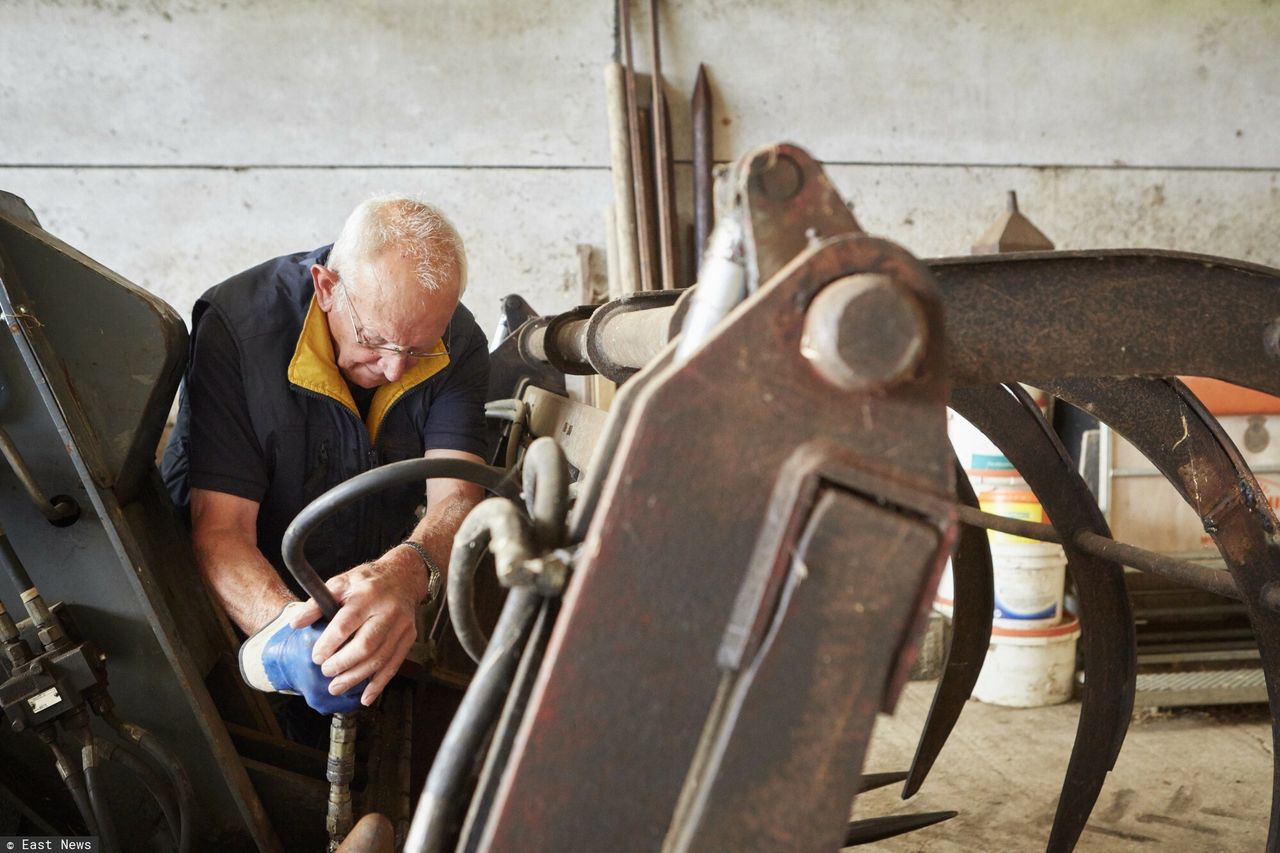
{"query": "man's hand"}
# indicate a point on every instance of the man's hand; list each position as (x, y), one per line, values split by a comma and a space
(277, 658)
(374, 627)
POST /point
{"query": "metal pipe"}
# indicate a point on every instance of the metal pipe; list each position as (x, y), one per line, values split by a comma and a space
(623, 248)
(340, 770)
(703, 211)
(65, 511)
(634, 338)
(661, 157)
(641, 209)
(1182, 571)
(627, 338)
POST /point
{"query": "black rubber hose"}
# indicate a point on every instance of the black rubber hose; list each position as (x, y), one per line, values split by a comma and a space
(441, 797)
(134, 760)
(74, 779)
(98, 796)
(546, 492)
(492, 479)
(158, 752)
(497, 524)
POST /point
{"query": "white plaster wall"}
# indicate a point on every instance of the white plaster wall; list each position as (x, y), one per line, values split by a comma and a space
(179, 141)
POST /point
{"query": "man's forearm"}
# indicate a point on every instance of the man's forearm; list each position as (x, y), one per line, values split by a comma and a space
(241, 579)
(436, 530)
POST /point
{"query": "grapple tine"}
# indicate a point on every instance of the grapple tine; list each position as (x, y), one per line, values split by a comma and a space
(1165, 422)
(970, 637)
(871, 781)
(879, 828)
(1013, 422)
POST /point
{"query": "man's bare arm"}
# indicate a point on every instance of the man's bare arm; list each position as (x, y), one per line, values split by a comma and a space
(224, 535)
(379, 598)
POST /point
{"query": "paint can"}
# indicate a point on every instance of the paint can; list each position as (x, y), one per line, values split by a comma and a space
(977, 454)
(1029, 668)
(1029, 575)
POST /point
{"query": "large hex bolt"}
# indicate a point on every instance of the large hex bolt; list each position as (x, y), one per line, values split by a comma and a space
(864, 333)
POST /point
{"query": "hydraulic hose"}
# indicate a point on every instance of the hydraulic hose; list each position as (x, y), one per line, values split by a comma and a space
(97, 794)
(546, 491)
(159, 753)
(497, 524)
(362, 485)
(134, 760)
(441, 796)
(74, 779)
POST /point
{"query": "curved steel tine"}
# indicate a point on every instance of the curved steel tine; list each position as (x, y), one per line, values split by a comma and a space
(875, 829)
(970, 636)
(1009, 417)
(1165, 421)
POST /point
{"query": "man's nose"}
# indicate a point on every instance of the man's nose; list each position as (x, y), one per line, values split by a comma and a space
(394, 366)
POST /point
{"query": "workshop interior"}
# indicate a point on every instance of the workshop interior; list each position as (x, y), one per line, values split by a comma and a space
(879, 423)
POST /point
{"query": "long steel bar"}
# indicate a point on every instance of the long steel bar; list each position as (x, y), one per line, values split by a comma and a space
(662, 158)
(637, 151)
(1183, 571)
(703, 213)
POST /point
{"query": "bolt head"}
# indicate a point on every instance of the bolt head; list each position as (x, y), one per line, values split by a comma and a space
(864, 332)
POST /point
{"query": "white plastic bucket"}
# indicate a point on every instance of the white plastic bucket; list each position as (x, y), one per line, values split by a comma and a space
(1029, 668)
(1029, 586)
(977, 454)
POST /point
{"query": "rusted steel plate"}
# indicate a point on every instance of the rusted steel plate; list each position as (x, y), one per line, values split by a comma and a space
(631, 670)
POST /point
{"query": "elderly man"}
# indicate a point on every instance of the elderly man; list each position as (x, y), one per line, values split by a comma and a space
(305, 371)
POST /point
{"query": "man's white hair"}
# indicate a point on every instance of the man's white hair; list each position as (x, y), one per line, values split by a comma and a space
(413, 228)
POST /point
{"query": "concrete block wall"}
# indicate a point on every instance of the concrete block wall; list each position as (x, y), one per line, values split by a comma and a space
(179, 141)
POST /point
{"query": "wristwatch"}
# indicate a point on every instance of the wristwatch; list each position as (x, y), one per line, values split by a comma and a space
(433, 571)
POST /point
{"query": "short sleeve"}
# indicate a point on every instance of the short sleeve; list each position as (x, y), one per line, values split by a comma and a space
(455, 419)
(225, 455)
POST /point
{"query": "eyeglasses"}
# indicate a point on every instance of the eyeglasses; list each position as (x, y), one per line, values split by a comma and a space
(357, 329)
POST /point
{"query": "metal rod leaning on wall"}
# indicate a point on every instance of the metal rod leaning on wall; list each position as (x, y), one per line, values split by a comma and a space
(703, 209)
(640, 210)
(1183, 571)
(662, 159)
(622, 227)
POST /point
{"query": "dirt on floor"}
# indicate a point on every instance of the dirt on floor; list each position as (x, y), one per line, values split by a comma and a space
(1186, 780)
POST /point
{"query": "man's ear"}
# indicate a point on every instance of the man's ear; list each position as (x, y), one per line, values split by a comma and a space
(325, 281)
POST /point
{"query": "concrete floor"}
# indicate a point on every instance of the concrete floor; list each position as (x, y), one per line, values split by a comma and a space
(1192, 779)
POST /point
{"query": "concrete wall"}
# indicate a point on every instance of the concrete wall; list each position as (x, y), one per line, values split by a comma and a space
(179, 141)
